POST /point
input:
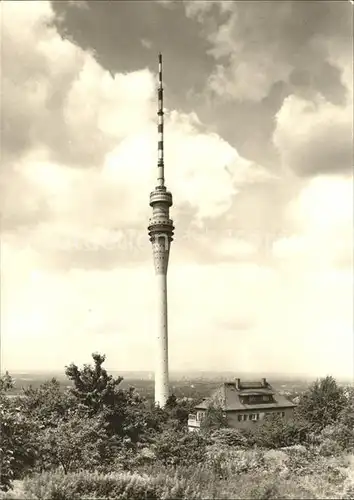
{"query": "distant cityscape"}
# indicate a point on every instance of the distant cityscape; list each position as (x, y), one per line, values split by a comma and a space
(177, 375)
(194, 385)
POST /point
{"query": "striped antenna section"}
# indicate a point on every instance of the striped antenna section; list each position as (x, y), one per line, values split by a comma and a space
(160, 160)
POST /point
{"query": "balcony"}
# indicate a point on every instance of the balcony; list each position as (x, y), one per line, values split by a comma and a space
(161, 197)
(193, 423)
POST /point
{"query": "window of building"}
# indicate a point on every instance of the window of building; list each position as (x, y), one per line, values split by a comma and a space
(200, 416)
(244, 417)
(255, 399)
(283, 414)
(240, 418)
(265, 398)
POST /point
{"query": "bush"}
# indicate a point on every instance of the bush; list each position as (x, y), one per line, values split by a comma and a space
(176, 412)
(125, 412)
(275, 432)
(227, 461)
(276, 462)
(228, 437)
(268, 491)
(328, 447)
(343, 430)
(128, 459)
(180, 448)
(246, 475)
(120, 486)
(300, 460)
(74, 440)
(277, 489)
(47, 403)
(215, 418)
(322, 403)
(16, 493)
(17, 449)
(75, 486)
(348, 491)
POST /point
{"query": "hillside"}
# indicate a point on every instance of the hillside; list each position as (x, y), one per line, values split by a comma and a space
(100, 438)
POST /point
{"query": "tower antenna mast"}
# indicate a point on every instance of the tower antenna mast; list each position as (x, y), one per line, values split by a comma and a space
(160, 129)
(160, 231)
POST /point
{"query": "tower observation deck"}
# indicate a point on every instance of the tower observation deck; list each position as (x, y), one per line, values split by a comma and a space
(160, 231)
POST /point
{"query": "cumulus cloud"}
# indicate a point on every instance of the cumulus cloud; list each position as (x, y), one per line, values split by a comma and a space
(79, 156)
(66, 111)
(80, 210)
(314, 136)
(199, 9)
(307, 48)
(248, 48)
(75, 101)
(322, 219)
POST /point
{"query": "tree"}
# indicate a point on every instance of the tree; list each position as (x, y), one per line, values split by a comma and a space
(17, 452)
(6, 448)
(6, 383)
(180, 448)
(93, 387)
(340, 436)
(177, 412)
(345, 427)
(228, 437)
(47, 403)
(276, 432)
(171, 402)
(122, 409)
(76, 443)
(63, 432)
(215, 418)
(322, 403)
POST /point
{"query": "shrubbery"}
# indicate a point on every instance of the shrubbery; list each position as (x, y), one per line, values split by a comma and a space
(99, 440)
(229, 437)
(180, 448)
(76, 486)
(120, 486)
(214, 418)
(323, 403)
(17, 447)
(75, 443)
(276, 432)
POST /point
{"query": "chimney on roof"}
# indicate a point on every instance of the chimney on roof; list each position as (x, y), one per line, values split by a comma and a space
(264, 382)
(238, 383)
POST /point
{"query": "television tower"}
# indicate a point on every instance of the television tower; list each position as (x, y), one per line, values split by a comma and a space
(161, 232)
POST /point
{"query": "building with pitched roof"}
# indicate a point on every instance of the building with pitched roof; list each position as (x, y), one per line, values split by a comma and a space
(244, 404)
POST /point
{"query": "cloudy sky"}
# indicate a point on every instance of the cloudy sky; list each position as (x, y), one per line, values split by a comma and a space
(259, 159)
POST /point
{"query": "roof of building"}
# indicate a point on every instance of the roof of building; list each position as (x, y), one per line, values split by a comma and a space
(228, 396)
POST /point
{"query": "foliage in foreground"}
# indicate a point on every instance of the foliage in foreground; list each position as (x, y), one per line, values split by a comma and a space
(322, 403)
(100, 440)
(244, 474)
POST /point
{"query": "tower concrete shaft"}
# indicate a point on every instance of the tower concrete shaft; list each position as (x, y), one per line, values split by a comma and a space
(161, 235)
